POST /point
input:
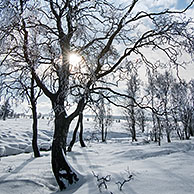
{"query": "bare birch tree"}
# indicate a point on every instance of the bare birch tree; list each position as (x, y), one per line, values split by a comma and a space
(133, 90)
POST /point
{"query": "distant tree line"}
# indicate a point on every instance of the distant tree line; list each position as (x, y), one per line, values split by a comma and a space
(172, 100)
(6, 110)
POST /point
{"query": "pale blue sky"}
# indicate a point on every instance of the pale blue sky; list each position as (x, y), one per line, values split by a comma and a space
(181, 4)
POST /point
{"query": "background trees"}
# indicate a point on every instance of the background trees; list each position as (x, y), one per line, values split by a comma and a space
(150, 91)
(173, 100)
(18, 81)
(163, 89)
(6, 110)
(103, 115)
(183, 110)
(133, 90)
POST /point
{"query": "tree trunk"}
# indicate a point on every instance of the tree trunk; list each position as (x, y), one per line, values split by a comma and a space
(35, 131)
(154, 129)
(63, 172)
(186, 132)
(106, 132)
(191, 131)
(143, 126)
(133, 131)
(168, 136)
(81, 131)
(4, 117)
(168, 127)
(143, 122)
(74, 136)
(190, 127)
(102, 132)
(79, 123)
(159, 130)
(179, 133)
(35, 120)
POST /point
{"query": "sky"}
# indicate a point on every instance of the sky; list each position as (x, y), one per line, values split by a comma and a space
(44, 104)
(181, 4)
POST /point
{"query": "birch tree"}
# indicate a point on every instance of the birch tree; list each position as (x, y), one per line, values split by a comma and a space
(133, 90)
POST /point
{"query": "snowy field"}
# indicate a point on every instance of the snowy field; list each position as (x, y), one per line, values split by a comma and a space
(168, 169)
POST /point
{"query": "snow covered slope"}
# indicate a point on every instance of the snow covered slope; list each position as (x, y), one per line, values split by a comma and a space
(167, 169)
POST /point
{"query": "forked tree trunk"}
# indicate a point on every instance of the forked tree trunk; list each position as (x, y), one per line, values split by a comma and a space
(63, 172)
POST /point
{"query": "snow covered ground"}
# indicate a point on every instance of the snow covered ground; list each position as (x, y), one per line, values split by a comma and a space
(168, 169)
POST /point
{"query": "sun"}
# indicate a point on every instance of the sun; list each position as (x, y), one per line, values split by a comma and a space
(74, 59)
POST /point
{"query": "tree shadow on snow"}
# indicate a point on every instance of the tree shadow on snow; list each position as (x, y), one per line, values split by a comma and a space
(16, 170)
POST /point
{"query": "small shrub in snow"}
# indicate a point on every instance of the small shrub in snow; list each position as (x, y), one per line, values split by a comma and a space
(121, 183)
(93, 137)
(102, 181)
(10, 168)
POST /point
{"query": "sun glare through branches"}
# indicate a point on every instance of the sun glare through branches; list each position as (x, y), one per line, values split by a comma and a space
(74, 59)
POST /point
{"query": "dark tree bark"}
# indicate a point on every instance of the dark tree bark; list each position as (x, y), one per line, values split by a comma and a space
(64, 173)
(79, 124)
(102, 130)
(159, 130)
(187, 135)
(168, 137)
(35, 121)
(105, 133)
(61, 169)
(168, 127)
(74, 135)
(190, 129)
(81, 131)
(35, 132)
(133, 130)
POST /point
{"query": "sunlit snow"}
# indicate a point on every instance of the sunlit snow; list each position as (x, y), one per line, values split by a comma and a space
(163, 170)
